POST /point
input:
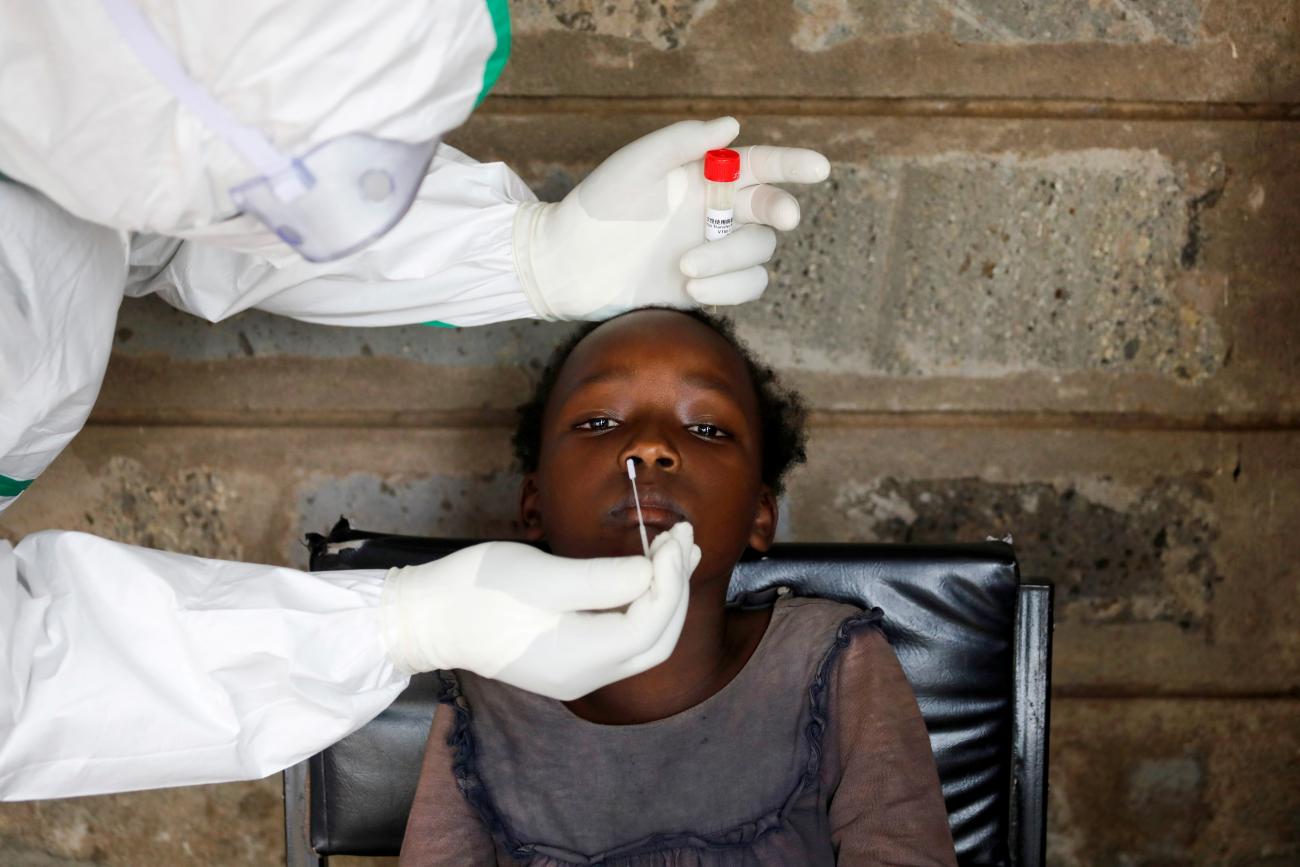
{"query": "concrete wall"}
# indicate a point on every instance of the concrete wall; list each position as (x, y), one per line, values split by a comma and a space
(1050, 291)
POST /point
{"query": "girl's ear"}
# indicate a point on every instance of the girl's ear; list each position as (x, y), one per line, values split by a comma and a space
(530, 514)
(763, 531)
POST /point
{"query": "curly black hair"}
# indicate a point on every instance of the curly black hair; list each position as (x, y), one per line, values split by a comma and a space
(781, 410)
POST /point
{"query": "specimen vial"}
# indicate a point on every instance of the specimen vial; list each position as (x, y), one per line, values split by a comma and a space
(721, 169)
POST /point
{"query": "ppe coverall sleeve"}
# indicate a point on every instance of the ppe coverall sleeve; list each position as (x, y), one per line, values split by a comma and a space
(449, 260)
(127, 668)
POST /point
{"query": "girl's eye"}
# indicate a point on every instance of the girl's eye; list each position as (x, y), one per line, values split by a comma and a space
(708, 431)
(597, 423)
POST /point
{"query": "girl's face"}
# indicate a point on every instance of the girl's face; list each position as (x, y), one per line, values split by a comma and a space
(669, 392)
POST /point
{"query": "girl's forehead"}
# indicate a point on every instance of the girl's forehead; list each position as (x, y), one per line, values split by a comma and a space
(659, 340)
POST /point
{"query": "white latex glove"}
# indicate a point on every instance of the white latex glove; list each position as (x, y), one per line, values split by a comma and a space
(543, 623)
(631, 234)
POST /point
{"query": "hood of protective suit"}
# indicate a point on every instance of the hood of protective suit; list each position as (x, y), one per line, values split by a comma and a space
(88, 124)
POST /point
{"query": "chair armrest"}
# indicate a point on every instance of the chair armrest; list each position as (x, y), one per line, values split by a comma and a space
(1031, 717)
(298, 851)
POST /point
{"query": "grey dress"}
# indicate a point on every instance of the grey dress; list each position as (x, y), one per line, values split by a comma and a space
(813, 752)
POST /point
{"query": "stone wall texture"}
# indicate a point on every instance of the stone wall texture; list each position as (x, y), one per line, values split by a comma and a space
(1050, 290)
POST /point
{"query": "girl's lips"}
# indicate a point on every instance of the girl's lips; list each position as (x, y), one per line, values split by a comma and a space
(658, 510)
(655, 516)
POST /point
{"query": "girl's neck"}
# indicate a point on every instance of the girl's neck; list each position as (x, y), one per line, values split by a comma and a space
(715, 644)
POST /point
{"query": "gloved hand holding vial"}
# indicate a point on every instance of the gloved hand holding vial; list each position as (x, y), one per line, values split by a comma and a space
(635, 226)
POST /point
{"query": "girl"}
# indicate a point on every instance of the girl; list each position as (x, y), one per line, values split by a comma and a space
(780, 731)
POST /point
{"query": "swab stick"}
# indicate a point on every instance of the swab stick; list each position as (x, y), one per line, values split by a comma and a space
(631, 474)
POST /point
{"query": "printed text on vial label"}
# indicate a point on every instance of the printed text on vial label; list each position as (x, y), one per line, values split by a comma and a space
(717, 224)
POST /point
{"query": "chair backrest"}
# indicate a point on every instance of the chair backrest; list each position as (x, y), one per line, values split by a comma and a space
(979, 668)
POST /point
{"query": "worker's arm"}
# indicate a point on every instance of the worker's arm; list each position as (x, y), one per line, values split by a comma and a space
(450, 259)
(126, 668)
(476, 247)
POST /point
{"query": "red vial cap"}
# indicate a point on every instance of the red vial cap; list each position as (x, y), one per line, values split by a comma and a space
(722, 165)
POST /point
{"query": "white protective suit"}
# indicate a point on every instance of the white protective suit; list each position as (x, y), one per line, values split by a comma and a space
(124, 668)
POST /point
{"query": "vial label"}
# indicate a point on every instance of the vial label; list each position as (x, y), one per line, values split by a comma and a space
(717, 224)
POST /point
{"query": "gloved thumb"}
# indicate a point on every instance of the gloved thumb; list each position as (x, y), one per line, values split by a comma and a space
(655, 155)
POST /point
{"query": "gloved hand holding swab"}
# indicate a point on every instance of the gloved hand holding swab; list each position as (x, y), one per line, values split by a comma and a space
(631, 474)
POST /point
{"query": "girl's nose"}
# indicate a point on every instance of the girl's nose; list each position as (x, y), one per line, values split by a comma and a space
(646, 451)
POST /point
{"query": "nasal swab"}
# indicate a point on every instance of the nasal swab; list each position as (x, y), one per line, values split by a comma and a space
(631, 474)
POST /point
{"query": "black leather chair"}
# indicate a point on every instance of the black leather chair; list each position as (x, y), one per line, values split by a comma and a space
(974, 642)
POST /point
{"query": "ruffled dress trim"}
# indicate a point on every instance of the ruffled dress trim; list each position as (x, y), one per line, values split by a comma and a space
(471, 786)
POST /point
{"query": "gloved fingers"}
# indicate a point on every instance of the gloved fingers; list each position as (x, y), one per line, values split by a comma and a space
(594, 585)
(751, 244)
(738, 287)
(623, 635)
(673, 567)
(651, 615)
(664, 644)
(617, 188)
(616, 636)
(663, 150)
(765, 164)
(771, 206)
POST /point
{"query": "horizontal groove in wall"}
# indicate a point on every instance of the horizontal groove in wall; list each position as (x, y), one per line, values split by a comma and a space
(1134, 421)
(920, 107)
(477, 418)
(1124, 693)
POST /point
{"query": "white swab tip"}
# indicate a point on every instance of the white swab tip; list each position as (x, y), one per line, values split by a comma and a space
(631, 470)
